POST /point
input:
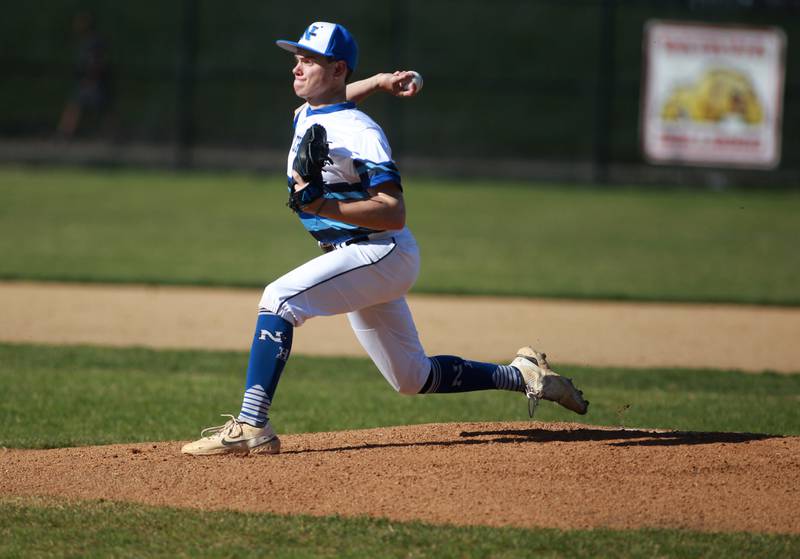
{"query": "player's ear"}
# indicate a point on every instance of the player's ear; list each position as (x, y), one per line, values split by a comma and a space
(340, 69)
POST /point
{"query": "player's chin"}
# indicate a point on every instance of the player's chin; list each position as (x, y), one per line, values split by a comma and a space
(299, 88)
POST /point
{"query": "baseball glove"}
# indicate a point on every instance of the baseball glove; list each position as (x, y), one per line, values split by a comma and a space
(312, 156)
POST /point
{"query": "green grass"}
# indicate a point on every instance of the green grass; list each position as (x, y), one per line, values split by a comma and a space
(68, 396)
(39, 528)
(35, 528)
(61, 396)
(500, 238)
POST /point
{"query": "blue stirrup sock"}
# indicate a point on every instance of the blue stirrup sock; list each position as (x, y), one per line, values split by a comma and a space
(272, 344)
(451, 374)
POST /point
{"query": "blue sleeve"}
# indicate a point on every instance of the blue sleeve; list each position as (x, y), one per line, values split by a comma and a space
(372, 174)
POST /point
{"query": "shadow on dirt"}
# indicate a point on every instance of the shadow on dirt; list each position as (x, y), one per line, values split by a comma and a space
(614, 437)
(618, 437)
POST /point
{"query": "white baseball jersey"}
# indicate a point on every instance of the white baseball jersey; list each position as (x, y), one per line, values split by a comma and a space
(366, 280)
(361, 156)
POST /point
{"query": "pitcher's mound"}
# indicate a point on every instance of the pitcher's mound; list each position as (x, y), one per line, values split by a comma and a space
(499, 474)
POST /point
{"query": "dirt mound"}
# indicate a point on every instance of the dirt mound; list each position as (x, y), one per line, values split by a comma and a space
(498, 474)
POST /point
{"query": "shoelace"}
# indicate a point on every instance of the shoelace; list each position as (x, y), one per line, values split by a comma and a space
(533, 400)
(229, 428)
(533, 396)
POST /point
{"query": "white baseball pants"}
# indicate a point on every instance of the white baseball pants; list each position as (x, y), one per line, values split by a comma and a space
(368, 281)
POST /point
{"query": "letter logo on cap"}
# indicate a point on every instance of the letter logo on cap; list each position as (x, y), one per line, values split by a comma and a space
(310, 32)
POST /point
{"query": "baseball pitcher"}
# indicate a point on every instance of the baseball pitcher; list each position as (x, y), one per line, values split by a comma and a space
(347, 192)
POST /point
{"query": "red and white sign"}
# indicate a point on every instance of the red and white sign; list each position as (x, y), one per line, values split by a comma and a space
(713, 94)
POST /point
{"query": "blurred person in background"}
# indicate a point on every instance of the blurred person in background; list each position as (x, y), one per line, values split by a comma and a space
(92, 93)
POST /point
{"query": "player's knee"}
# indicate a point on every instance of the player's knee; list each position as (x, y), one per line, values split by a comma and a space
(408, 389)
(409, 384)
(270, 299)
(407, 376)
(273, 299)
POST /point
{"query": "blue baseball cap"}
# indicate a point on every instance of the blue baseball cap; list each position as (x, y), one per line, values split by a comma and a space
(327, 39)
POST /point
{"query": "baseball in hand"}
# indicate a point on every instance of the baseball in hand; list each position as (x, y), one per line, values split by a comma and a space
(416, 79)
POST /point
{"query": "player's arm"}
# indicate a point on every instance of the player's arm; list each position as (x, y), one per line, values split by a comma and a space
(398, 83)
(394, 83)
(384, 209)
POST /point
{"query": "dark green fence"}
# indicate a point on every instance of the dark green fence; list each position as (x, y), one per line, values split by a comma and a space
(554, 80)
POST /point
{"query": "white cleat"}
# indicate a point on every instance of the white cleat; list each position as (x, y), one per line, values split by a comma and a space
(541, 382)
(235, 437)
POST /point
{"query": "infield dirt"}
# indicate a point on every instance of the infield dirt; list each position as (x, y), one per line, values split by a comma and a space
(496, 474)
(594, 333)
